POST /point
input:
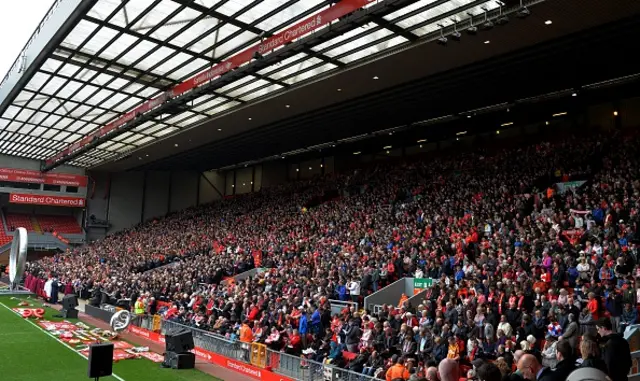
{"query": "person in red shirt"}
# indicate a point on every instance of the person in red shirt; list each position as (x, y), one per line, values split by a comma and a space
(592, 306)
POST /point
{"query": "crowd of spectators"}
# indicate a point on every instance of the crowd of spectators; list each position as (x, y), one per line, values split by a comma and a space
(529, 276)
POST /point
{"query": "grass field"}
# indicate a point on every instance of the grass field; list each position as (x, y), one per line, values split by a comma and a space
(28, 353)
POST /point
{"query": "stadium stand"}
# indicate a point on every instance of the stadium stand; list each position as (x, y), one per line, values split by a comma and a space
(19, 220)
(522, 255)
(60, 224)
(530, 244)
(4, 237)
(44, 223)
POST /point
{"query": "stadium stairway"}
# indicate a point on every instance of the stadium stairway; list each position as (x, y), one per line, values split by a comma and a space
(36, 225)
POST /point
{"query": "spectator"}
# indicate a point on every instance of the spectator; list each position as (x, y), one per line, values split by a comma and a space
(590, 352)
(615, 351)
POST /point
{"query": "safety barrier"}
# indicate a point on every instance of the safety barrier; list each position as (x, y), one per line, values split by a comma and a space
(254, 360)
(338, 305)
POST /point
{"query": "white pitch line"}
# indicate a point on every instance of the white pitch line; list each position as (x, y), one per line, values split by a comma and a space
(56, 339)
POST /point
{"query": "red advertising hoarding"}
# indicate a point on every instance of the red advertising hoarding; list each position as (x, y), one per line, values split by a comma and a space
(29, 176)
(32, 199)
(214, 358)
(298, 30)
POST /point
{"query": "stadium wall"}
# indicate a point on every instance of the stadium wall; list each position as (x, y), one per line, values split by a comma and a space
(128, 198)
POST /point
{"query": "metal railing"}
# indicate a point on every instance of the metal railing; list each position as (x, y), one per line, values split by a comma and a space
(295, 367)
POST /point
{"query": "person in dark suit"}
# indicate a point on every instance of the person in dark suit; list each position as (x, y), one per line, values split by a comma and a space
(530, 369)
(566, 362)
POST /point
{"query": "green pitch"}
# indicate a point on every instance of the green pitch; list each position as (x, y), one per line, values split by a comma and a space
(28, 353)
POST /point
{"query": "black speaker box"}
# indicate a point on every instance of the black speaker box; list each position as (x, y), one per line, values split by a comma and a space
(70, 314)
(179, 342)
(100, 360)
(69, 302)
(185, 360)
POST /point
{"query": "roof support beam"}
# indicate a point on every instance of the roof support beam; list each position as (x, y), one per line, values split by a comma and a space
(394, 28)
(155, 81)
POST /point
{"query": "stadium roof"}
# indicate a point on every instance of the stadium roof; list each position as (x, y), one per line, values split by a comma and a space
(70, 95)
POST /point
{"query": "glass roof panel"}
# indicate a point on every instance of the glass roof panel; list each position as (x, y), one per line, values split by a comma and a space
(104, 8)
(154, 58)
(37, 81)
(236, 83)
(51, 65)
(260, 92)
(152, 18)
(106, 118)
(131, 139)
(24, 115)
(200, 28)
(68, 69)
(264, 7)
(365, 39)
(118, 46)
(155, 128)
(282, 17)
(231, 7)
(126, 105)
(246, 88)
(172, 62)
(79, 34)
(209, 104)
(180, 116)
(117, 83)
(378, 47)
(137, 52)
(222, 107)
(208, 3)
(100, 39)
(310, 61)
(11, 112)
(233, 43)
(130, 11)
(144, 140)
(194, 66)
(68, 89)
(309, 73)
(165, 131)
(72, 138)
(190, 121)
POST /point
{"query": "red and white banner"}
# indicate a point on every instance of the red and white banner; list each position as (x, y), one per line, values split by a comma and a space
(26, 313)
(29, 176)
(298, 30)
(155, 357)
(214, 358)
(31, 199)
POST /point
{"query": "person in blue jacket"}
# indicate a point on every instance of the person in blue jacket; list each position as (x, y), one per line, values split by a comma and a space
(316, 323)
(303, 327)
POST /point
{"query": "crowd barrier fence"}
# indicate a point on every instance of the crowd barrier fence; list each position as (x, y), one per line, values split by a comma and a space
(255, 354)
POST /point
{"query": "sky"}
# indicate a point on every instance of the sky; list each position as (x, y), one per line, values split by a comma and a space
(18, 20)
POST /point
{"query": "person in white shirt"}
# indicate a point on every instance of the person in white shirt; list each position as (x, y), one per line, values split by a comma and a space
(505, 327)
(354, 290)
(583, 268)
(419, 274)
(579, 221)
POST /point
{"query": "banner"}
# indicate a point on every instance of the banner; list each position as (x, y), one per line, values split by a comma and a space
(36, 177)
(563, 187)
(298, 30)
(60, 238)
(30, 199)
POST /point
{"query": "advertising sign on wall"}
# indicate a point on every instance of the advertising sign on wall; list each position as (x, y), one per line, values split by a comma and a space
(35, 177)
(420, 284)
(30, 199)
